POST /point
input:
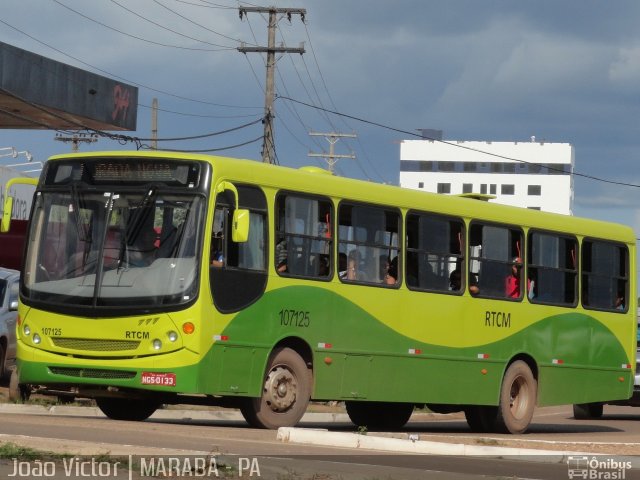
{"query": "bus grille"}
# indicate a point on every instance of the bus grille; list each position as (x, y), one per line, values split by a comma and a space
(95, 345)
(92, 373)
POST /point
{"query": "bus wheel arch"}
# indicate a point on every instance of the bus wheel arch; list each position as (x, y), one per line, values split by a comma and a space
(286, 388)
(518, 395)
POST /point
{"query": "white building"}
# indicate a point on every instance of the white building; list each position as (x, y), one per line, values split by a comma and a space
(525, 174)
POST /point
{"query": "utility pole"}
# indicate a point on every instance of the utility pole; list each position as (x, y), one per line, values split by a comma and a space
(154, 124)
(76, 139)
(268, 150)
(332, 158)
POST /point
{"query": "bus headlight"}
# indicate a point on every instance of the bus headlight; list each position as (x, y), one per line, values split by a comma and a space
(173, 336)
(36, 339)
(157, 344)
(26, 330)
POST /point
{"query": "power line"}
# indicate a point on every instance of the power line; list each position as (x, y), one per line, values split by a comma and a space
(136, 37)
(198, 24)
(491, 154)
(167, 28)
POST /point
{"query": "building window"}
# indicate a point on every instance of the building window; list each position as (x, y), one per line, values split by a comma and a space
(492, 189)
(444, 188)
(467, 187)
(420, 184)
(483, 188)
(446, 166)
(535, 190)
(470, 166)
(507, 189)
(509, 167)
(426, 166)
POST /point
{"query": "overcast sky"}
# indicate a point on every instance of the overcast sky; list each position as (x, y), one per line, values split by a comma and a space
(564, 71)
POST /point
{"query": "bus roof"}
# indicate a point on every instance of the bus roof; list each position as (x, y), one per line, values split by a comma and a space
(318, 181)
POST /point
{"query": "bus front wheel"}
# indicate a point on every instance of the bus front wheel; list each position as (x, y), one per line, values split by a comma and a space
(127, 409)
(517, 399)
(285, 392)
(18, 392)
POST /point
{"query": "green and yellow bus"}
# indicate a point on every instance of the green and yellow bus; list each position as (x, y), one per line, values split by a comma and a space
(156, 278)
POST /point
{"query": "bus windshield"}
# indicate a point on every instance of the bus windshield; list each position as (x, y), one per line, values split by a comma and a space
(109, 248)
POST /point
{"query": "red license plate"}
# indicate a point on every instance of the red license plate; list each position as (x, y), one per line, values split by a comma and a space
(159, 379)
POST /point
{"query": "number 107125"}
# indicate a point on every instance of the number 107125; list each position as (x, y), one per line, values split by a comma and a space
(294, 318)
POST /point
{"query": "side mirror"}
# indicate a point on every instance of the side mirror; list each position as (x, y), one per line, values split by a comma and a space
(240, 227)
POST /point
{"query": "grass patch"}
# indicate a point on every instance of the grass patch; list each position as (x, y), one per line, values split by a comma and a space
(11, 450)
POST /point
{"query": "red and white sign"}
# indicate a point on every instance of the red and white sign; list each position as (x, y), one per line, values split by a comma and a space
(159, 379)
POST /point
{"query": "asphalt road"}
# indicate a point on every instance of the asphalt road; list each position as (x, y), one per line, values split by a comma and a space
(227, 438)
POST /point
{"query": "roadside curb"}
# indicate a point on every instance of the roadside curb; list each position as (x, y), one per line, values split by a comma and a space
(352, 440)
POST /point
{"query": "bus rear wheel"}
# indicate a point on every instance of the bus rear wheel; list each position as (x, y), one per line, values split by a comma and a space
(127, 409)
(481, 418)
(517, 399)
(285, 392)
(585, 411)
(379, 415)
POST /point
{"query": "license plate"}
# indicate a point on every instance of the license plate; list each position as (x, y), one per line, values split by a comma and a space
(160, 379)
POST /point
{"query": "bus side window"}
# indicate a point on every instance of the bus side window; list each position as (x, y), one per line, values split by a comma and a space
(303, 239)
(552, 268)
(495, 260)
(367, 236)
(605, 275)
(435, 252)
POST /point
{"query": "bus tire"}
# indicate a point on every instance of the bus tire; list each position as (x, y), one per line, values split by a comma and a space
(586, 411)
(18, 392)
(517, 399)
(481, 418)
(285, 392)
(134, 410)
(379, 415)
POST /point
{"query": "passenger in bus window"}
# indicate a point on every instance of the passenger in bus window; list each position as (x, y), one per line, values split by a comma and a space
(474, 288)
(391, 277)
(353, 265)
(281, 256)
(455, 280)
(143, 251)
(217, 256)
(512, 282)
(342, 265)
(619, 303)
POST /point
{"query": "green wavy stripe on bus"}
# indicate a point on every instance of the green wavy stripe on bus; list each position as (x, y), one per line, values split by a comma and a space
(320, 316)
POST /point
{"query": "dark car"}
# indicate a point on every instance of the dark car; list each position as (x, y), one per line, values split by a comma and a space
(9, 280)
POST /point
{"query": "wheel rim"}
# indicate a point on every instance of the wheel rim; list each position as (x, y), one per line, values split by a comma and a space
(280, 389)
(519, 398)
